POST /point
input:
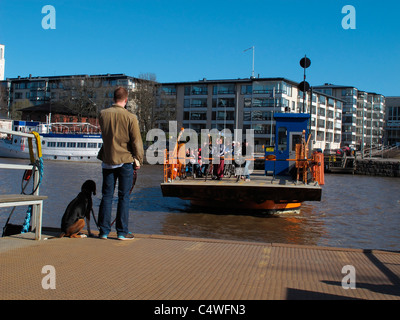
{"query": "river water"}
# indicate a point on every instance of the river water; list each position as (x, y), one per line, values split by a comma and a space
(355, 211)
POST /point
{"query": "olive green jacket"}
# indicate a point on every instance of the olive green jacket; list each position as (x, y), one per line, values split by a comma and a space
(122, 141)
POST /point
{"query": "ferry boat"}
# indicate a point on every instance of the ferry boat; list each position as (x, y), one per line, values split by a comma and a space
(292, 175)
(60, 141)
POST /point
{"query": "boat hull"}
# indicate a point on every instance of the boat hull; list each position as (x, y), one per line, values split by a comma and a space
(261, 193)
(269, 206)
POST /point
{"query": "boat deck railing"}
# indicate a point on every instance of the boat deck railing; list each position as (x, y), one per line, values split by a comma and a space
(71, 127)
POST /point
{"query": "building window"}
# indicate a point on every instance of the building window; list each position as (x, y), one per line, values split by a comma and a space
(282, 139)
(169, 90)
(224, 89)
(224, 103)
(247, 89)
(198, 103)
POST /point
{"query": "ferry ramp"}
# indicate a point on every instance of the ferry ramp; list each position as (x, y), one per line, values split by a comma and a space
(160, 267)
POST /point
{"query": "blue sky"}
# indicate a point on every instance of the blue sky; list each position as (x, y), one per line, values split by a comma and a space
(189, 40)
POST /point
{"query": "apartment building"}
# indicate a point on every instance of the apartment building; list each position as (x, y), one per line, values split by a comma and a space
(95, 89)
(363, 115)
(251, 104)
(392, 120)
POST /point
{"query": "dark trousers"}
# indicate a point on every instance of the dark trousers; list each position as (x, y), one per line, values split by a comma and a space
(219, 169)
(124, 175)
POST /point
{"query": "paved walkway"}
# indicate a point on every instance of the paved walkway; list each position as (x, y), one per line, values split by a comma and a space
(165, 267)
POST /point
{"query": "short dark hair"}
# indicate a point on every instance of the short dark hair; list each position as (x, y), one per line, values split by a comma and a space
(120, 94)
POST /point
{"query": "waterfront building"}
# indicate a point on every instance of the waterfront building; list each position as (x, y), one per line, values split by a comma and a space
(392, 118)
(2, 61)
(97, 90)
(84, 95)
(363, 115)
(250, 104)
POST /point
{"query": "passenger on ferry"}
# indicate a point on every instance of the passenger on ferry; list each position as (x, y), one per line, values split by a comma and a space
(247, 153)
(219, 153)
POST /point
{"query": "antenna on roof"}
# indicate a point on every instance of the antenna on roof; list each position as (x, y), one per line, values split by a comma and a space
(252, 72)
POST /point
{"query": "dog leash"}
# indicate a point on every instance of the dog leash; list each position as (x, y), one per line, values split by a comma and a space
(94, 218)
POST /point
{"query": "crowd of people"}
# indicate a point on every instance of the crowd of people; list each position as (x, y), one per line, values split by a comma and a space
(219, 156)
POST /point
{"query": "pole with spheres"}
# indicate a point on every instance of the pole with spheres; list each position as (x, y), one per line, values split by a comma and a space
(304, 85)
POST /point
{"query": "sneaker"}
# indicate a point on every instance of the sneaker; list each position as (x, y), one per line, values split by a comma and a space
(128, 236)
(103, 236)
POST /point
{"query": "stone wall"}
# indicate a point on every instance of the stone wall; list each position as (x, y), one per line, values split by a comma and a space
(374, 167)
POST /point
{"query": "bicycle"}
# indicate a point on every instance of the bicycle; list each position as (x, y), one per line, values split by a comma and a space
(229, 170)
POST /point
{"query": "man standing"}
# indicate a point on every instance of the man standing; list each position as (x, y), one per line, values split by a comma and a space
(247, 154)
(122, 150)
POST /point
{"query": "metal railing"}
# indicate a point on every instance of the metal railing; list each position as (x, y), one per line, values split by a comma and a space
(379, 151)
(34, 200)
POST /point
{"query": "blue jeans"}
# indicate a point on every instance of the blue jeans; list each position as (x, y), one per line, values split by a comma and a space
(246, 172)
(124, 175)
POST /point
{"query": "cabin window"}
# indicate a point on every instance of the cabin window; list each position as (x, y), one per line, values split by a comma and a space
(71, 144)
(282, 139)
(296, 139)
(92, 145)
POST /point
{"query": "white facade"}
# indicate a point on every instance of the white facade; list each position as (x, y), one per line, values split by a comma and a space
(363, 115)
(2, 61)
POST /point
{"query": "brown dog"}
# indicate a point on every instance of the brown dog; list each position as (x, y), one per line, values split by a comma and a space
(78, 209)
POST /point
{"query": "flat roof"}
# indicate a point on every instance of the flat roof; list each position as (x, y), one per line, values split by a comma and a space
(238, 80)
(247, 80)
(108, 75)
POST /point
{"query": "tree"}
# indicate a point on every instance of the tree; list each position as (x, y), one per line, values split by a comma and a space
(15, 112)
(3, 99)
(144, 99)
(149, 105)
(85, 96)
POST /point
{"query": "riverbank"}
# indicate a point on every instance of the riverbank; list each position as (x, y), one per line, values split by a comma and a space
(159, 267)
(378, 167)
(382, 167)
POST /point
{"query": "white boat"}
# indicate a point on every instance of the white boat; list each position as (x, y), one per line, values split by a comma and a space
(60, 141)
